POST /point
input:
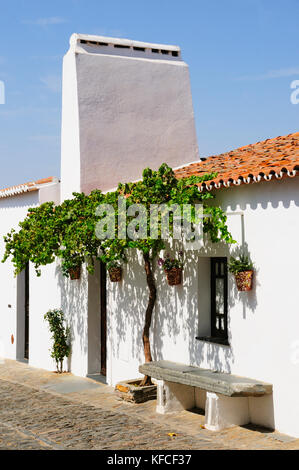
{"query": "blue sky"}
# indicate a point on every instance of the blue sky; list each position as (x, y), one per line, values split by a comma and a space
(243, 56)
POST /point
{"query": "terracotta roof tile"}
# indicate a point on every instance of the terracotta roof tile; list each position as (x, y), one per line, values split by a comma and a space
(277, 157)
(26, 187)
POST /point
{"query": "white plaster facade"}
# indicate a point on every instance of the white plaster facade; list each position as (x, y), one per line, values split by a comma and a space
(125, 108)
(263, 323)
(100, 108)
(13, 209)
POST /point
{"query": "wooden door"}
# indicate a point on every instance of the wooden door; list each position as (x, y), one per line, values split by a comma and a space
(103, 318)
(26, 351)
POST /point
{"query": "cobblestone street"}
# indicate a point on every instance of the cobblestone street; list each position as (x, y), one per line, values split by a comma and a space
(43, 410)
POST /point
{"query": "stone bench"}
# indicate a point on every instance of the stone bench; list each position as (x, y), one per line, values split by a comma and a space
(225, 397)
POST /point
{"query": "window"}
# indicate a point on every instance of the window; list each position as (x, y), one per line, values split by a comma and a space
(219, 298)
(213, 300)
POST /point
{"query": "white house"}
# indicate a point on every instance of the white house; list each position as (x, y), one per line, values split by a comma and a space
(126, 106)
(14, 319)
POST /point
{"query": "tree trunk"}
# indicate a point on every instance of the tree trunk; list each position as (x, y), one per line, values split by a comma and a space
(148, 314)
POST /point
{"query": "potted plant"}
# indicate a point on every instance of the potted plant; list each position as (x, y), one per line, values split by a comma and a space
(71, 267)
(75, 273)
(115, 271)
(71, 263)
(242, 269)
(173, 268)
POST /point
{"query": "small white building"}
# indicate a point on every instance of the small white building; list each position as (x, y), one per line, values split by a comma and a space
(14, 302)
(126, 106)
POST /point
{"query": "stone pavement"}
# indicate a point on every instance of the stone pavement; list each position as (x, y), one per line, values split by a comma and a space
(43, 410)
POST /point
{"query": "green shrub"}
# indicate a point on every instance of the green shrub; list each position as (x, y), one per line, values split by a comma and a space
(60, 335)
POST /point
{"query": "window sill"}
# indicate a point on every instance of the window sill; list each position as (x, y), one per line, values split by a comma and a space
(211, 339)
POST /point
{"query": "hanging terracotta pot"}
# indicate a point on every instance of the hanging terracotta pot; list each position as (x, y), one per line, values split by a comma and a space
(174, 276)
(115, 274)
(244, 280)
(75, 273)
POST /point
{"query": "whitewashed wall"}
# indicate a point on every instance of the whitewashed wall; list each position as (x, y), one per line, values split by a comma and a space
(44, 295)
(79, 299)
(122, 111)
(53, 291)
(12, 211)
(263, 323)
(12, 320)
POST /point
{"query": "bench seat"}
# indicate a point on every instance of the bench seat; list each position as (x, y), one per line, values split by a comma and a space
(211, 381)
(228, 400)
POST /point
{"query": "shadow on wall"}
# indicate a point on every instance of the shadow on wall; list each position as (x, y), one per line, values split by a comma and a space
(175, 319)
(248, 299)
(168, 322)
(272, 194)
(175, 322)
(175, 316)
(19, 201)
(74, 306)
(202, 353)
(127, 301)
(215, 356)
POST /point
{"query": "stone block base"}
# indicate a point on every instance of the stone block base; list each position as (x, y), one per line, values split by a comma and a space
(224, 412)
(130, 390)
(173, 397)
(220, 411)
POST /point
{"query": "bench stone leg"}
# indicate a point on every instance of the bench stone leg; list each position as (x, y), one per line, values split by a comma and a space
(224, 412)
(173, 397)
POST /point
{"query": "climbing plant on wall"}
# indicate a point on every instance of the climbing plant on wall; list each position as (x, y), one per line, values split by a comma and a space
(66, 231)
(69, 231)
(38, 239)
(162, 187)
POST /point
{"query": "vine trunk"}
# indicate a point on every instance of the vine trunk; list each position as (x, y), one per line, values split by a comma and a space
(148, 314)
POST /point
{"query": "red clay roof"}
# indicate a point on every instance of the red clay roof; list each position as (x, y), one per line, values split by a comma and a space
(270, 158)
(26, 187)
(277, 157)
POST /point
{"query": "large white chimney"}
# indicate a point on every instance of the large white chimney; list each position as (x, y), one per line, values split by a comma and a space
(126, 106)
